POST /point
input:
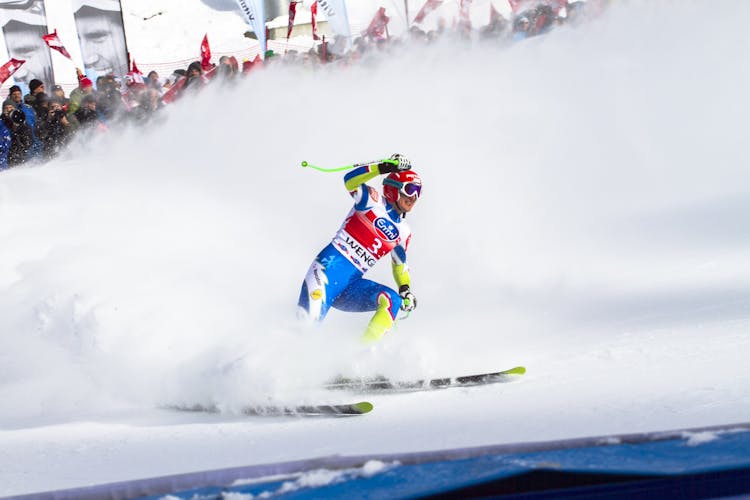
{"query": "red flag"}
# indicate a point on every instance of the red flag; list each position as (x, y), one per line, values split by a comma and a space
(428, 7)
(292, 14)
(314, 22)
(205, 54)
(377, 27)
(135, 69)
(7, 69)
(53, 42)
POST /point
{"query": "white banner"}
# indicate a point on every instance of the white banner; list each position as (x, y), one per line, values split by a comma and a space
(335, 12)
(254, 13)
(23, 24)
(101, 35)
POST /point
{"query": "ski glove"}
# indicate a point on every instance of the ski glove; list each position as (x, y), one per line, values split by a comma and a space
(408, 301)
(402, 164)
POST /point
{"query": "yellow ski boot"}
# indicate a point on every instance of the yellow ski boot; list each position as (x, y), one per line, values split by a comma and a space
(380, 323)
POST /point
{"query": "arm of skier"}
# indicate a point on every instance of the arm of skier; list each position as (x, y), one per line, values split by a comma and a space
(399, 267)
(402, 278)
(360, 175)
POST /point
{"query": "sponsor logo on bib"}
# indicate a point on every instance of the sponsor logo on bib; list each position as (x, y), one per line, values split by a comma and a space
(386, 229)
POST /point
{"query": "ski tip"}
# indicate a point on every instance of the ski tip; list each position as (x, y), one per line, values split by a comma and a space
(363, 407)
(518, 370)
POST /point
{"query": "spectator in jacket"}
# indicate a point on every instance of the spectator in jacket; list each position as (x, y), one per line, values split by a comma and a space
(21, 140)
(41, 105)
(85, 87)
(58, 93)
(87, 117)
(36, 147)
(148, 102)
(194, 79)
(8, 107)
(14, 94)
(109, 102)
(55, 130)
(35, 88)
(228, 68)
(153, 82)
(5, 140)
(521, 28)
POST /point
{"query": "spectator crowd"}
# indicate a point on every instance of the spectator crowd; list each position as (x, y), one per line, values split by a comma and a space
(38, 126)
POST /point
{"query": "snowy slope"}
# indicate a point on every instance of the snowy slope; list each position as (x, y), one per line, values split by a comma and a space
(584, 214)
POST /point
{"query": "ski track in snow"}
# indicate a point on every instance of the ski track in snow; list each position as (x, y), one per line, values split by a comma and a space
(584, 214)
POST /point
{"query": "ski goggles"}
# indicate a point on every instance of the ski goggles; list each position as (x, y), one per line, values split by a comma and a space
(408, 189)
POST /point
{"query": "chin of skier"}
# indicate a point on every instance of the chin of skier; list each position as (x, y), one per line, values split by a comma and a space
(374, 227)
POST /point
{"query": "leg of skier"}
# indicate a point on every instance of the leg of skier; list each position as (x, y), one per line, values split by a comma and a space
(366, 295)
(329, 275)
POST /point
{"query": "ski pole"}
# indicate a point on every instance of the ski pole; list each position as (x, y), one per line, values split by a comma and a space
(347, 167)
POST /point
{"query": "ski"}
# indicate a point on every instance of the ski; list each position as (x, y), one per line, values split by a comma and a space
(333, 410)
(382, 384)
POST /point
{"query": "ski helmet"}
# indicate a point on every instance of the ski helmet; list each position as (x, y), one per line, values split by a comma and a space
(407, 182)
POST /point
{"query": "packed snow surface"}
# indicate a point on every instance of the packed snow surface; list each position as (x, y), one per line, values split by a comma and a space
(585, 214)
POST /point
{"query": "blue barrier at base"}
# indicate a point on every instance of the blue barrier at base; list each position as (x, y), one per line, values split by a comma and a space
(688, 463)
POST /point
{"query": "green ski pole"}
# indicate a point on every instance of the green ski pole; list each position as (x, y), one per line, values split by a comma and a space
(347, 167)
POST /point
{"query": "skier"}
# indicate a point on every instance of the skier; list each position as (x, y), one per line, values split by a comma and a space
(374, 227)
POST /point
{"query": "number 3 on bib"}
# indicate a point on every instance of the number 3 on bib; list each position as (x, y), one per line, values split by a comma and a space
(376, 245)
